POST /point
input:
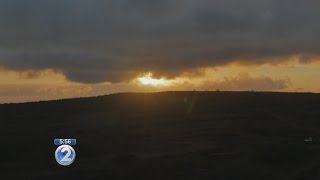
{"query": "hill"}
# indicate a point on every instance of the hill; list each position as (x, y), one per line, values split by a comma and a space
(169, 135)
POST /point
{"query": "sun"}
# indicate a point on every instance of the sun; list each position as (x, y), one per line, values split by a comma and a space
(148, 80)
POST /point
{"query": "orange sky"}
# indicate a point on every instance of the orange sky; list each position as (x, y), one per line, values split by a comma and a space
(47, 84)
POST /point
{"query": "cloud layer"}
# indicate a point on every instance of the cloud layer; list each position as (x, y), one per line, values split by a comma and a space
(31, 91)
(98, 41)
(245, 82)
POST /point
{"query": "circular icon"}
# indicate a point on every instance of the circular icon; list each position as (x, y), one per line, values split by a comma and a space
(65, 155)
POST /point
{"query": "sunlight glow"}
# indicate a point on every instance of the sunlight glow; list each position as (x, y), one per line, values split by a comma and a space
(148, 80)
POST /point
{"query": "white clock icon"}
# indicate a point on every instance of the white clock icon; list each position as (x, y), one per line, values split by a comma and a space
(65, 155)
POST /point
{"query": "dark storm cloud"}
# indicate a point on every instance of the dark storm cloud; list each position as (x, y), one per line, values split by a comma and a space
(96, 41)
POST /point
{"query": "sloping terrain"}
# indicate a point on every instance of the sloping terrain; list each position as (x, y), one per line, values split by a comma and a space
(169, 135)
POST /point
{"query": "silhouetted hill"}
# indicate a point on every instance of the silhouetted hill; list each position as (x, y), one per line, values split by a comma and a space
(170, 135)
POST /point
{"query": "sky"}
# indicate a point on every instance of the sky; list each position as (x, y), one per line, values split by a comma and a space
(75, 48)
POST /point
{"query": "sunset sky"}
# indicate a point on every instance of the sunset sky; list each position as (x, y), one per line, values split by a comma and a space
(53, 49)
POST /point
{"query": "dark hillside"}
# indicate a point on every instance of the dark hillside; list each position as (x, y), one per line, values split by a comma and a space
(170, 135)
